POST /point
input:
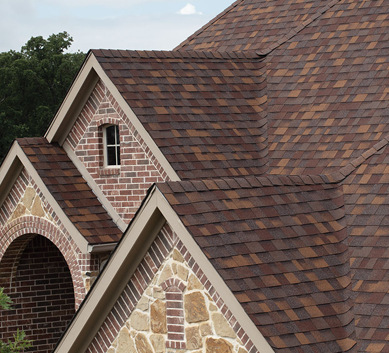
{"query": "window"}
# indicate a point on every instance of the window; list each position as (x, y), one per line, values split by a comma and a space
(111, 146)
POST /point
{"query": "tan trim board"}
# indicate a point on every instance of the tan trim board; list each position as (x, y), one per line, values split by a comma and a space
(73, 103)
(96, 189)
(9, 172)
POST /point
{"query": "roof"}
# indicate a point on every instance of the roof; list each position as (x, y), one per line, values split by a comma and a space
(266, 21)
(327, 76)
(70, 190)
(205, 111)
(281, 246)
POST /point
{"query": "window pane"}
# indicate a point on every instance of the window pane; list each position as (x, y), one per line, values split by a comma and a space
(110, 131)
(111, 155)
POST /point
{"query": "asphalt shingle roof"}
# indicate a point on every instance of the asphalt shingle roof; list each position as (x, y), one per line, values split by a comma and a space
(327, 77)
(281, 246)
(205, 111)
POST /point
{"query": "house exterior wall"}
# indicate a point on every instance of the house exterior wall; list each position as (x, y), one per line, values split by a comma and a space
(124, 186)
(170, 304)
(41, 267)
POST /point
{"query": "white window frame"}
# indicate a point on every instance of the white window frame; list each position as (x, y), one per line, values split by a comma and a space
(116, 145)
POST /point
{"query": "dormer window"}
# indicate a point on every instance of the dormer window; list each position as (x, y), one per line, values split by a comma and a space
(111, 146)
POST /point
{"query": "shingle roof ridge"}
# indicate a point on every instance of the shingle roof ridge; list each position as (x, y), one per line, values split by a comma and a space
(249, 182)
(273, 46)
(194, 54)
(203, 28)
(26, 141)
(298, 29)
(350, 167)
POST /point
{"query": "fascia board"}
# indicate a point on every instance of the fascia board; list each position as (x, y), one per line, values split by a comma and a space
(73, 103)
(9, 172)
(153, 214)
(135, 121)
(81, 242)
(96, 189)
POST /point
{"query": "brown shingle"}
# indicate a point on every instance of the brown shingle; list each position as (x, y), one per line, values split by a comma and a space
(197, 107)
(281, 259)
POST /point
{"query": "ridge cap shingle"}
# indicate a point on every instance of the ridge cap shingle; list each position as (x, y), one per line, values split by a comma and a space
(177, 54)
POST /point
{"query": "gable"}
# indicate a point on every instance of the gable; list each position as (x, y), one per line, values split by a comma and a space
(169, 304)
(126, 185)
(133, 266)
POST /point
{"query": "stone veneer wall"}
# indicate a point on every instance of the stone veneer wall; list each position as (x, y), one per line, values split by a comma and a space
(169, 304)
(124, 186)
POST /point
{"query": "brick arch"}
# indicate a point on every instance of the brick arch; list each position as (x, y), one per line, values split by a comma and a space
(41, 289)
(32, 225)
(108, 121)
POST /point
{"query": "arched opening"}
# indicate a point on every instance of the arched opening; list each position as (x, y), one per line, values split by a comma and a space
(37, 278)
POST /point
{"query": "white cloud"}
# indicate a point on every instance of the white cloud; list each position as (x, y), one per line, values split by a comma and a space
(189, 9)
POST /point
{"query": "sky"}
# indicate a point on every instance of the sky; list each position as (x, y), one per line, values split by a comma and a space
(107, 24)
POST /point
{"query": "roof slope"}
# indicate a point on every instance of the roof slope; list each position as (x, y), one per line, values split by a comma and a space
(265, 21)
(327, 81)
(281, 247)
(70, 190)
(206, 112)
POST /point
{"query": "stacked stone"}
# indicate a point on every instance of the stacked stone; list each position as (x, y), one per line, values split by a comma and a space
(149, 329)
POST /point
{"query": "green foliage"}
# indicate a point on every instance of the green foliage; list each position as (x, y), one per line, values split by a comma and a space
(5, 300)
(34, 82)
(19, 343)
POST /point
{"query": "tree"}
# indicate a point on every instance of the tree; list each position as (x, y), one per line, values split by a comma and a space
(19, 343)
(34, 82)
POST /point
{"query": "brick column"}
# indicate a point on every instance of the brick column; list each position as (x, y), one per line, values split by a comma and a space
(174, 289)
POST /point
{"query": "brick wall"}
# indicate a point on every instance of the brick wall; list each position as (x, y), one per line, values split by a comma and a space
(125, 186)
(42, 292)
